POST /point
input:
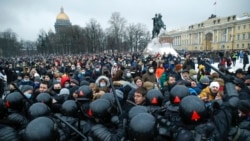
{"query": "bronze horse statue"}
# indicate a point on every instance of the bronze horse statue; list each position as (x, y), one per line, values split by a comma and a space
(158, 24)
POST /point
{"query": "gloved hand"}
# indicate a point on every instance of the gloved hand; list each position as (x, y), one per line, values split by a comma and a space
(205, 130)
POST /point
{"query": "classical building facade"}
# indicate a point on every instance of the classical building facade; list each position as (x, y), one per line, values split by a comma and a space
(62, 21)
(215, 33)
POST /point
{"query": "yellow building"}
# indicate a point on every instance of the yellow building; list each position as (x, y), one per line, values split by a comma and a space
(215, 33)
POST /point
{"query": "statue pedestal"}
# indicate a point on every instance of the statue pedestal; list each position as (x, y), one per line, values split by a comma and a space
(159, 45)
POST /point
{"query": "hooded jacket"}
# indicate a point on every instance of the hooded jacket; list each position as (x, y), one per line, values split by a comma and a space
(97, 82)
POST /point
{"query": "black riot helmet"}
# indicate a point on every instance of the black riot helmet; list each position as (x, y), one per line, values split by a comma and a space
(14, 101)
(192, 110)
(142, 127)
(85, 92)
(44, 98)
(177, 93)
(137, 110)
(38, 110)
(3, 109)
(109, 96)
(69, 108)
(41, 129)
(154, 97)
(100, 108)
(8, 134)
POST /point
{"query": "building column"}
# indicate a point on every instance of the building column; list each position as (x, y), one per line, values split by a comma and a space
(232, 34)
(217, 36)
(175, 40)
(213, 37)
(190, 37)
(201, 38)
(180, 40)
(226, 34)
(198, 38)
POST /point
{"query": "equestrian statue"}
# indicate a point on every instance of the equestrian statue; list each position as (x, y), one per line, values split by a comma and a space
(157, 25)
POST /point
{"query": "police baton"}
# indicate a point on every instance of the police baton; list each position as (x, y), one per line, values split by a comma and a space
(116, 98)
(226, 77)
(70, 126)
(21, 93)
(131, 102)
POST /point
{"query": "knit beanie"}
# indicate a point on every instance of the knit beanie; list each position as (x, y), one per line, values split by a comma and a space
(192, 72)
(25, 88)
(214, 84)
(204, 80)
(64, 91)
(74, 81)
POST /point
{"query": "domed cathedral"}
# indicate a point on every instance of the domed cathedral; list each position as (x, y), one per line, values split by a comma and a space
(62, 21)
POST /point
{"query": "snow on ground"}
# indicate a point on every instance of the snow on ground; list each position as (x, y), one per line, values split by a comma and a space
(233, 68)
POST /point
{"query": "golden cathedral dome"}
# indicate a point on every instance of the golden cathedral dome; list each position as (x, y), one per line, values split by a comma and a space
(62, 16)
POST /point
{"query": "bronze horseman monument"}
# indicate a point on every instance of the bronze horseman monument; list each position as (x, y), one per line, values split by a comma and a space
(160, 43)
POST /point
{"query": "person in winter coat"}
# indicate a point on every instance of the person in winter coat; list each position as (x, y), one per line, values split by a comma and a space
(245, 60)
(159, 71)
(149, 75)
(210, 92)
(102, 82)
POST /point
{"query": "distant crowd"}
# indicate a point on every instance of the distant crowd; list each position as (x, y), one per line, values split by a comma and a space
(125, 96)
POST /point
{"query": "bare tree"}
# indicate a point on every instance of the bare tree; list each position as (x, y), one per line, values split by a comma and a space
(9, 45)
(94, 35)
(116, 31)
(135, 34)
(41, 42)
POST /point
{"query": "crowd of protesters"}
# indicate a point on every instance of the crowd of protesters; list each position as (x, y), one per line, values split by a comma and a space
(112, 97)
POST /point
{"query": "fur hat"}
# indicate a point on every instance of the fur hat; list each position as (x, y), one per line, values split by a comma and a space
(178, 67)
(215, 75)
(100, 78)
(221, 81)
(148, 85)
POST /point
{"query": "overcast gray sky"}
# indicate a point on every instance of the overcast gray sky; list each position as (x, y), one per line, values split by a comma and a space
(28, 17)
